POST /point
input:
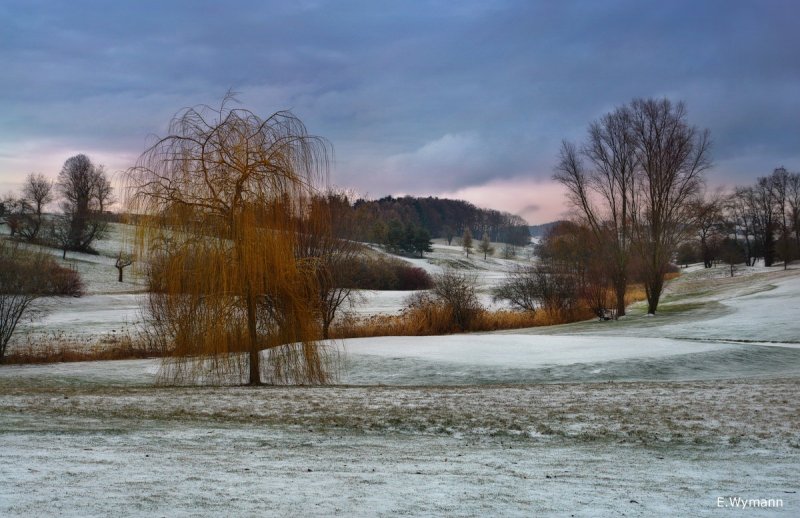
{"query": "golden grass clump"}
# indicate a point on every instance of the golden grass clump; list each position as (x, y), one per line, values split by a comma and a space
(635, 293)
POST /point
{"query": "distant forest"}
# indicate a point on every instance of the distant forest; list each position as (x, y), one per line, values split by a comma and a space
(543, 229)
(375, 220)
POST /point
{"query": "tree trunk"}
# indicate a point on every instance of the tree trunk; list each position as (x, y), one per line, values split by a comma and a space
(255, 368)
(653, 288)
(119, 278)
(620, 287)
(326, 326)
(769, 247)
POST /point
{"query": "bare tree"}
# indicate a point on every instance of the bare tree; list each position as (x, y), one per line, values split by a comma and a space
(123, 261)
(485, 246)
(103, 191)
(520, 289)
(5, 206)
(12, 213)
(466, 241)
(708, 224)
(672, 157)
(222, 201)
(456, 290)
(781, 193)
(732, 253)
(334, 253)
(572, 269)
(740, 215)
(37, 193)
(603, 191)
(85, 190)
(448, 233)
(793, 197)
(60, 234)
(761, 198)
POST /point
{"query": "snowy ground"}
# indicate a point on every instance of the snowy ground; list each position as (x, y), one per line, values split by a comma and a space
(648, 416)
(110, 306)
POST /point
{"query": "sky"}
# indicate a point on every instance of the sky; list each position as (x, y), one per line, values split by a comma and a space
(462, 99)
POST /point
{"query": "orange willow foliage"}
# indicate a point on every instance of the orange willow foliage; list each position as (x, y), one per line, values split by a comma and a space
(221, 203)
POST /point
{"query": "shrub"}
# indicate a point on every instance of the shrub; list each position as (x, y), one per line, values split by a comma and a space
(385, 273)
(63, 281)
(412, 278)
(456, 291)
(555, 291)
(24, 277)
(520, 289)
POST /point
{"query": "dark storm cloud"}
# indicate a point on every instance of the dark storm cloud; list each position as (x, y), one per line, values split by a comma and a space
(416, 97)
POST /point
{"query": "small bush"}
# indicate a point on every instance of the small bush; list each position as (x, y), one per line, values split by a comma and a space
(456, 291)
(385, 273)
(63, 281)
(412, 278)
(25, 276)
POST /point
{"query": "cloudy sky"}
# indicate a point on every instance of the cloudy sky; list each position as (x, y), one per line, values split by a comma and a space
(461, 98)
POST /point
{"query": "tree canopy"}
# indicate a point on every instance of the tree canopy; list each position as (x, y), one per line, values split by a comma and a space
(222, 203)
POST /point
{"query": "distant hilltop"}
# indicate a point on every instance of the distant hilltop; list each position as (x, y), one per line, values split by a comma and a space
(544, 228)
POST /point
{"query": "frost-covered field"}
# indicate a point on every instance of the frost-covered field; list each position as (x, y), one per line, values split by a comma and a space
(648, 416)
(110, 307)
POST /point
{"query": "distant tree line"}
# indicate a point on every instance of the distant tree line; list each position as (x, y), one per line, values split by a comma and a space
(758, 221)
(391, 221)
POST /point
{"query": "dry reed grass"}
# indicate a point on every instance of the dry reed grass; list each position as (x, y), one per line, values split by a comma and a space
(61, 349)
(635, 293)
(437, 321)
(428, 320)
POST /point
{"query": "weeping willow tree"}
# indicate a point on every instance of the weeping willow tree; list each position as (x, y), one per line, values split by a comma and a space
(222, 203)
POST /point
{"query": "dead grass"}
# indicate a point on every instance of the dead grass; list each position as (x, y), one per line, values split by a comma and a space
(60, 349)
(635, 293)
(437, 321)
(430, 320)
